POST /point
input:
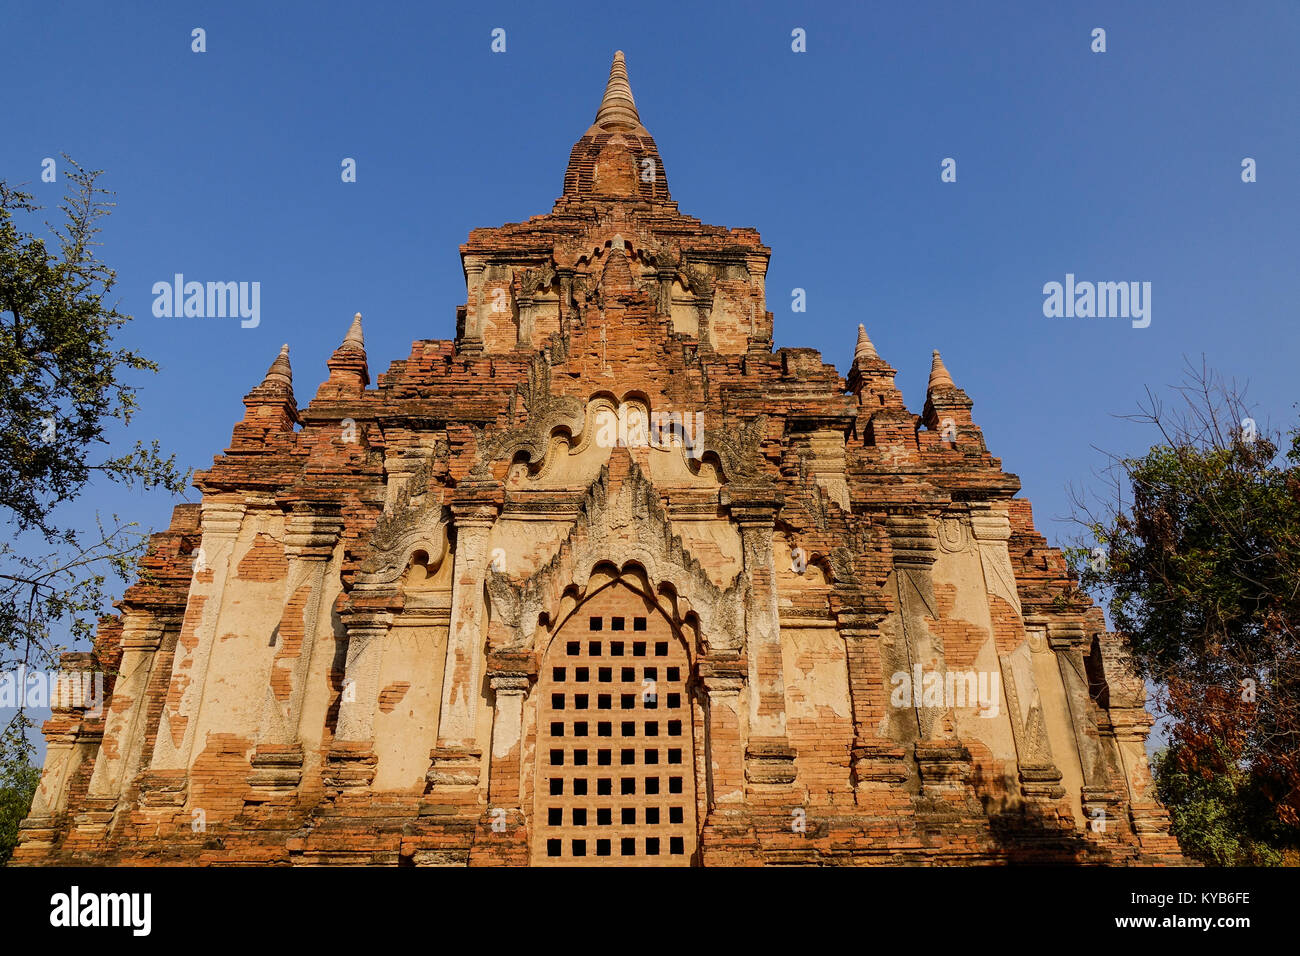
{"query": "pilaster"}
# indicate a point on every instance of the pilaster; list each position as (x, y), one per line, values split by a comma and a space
(501, 836)
(915, 546)
(1066, 636)
(728, 832)
(124, 724)
(456, 760)
(471, 342)
(352, 761)
(166, 782)
(875, 763)
(72, 734)
(310, 539)
(769, 758)
(1040, 778)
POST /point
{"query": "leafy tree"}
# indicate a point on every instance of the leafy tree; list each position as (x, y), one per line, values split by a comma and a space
(63, 386)
(18, 780)
(1198, 560)
(1220, 818)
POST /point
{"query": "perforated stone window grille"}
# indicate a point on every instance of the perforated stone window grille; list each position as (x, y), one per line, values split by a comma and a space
(615, 780)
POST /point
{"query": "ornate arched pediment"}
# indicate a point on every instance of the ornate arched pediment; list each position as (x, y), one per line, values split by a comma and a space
(604, 240)
(736, 449)
(534, 281)
(399, 534)
(624, 526)
(544, 413)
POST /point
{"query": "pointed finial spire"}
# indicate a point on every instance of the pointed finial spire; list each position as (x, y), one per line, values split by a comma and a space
(280, 370)
(354, 338)
(939, 377)
(348, 371)
(617, 108)
(864, 349)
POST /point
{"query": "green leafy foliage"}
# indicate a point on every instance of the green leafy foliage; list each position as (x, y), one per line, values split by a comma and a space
(1198, 559)
(1221, 819)
(18, 780)
(64, 385)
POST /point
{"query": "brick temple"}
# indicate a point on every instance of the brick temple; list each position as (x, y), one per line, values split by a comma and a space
(605, 580)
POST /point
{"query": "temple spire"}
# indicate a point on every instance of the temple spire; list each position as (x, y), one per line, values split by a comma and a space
(354, 339)
(349, 373)
(864, 350)
(280, 371)
(616, 158)
(617, 108)
(270, 408)
(939, 377)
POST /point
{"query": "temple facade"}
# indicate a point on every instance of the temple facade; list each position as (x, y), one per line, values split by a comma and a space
(605, 580)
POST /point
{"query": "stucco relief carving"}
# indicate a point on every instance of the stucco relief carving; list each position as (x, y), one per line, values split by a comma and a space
(564, 423)
(544, 413)
(397, 536)
(737, 446)
(1036, 637)
(991, 531)
(1026, 710)
(606, 422)
(954, 537)
(698, 280)
(624, 527)
(534, 280)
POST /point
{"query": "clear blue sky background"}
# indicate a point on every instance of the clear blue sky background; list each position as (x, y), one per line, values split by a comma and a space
(1116, 166)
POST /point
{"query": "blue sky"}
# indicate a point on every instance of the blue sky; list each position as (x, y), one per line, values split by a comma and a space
(1115, 166)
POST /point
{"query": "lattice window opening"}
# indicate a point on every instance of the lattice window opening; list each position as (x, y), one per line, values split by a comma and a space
(615, 767)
